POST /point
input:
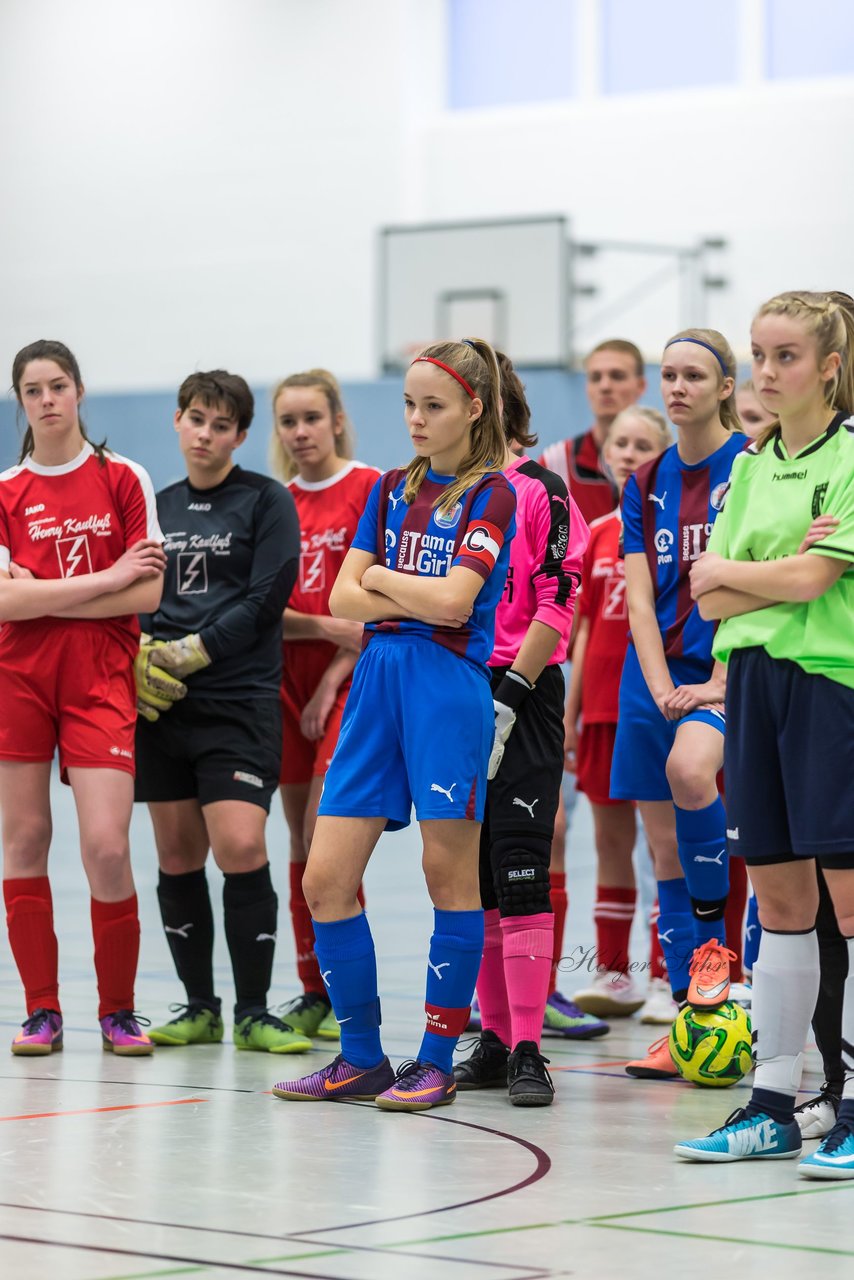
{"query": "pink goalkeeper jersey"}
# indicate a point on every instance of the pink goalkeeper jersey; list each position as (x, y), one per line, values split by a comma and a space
(545, 561)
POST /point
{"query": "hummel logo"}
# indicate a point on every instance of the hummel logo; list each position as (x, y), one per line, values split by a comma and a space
(181, 930)
(666, 938)
(395, 500)
(434, 786)
(523, 805)
(653, 497)
(732, 833)
(750, 930)
(325, 977)
(698, 857)
(446, 964)
(266, 937)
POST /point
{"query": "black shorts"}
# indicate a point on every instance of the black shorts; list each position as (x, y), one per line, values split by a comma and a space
(211, 749)
(789, 766)
(523, 796)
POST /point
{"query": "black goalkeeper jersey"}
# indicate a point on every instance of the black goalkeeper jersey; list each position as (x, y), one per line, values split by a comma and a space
(232, 557)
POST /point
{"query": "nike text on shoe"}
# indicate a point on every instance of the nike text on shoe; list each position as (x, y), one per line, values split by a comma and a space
(709, 985)
(265, 1033)
(610, 995)
(563, 1017)
(745, 1137)
(41, 1033)
(121, 1034)
(657, 1065)
(834, 1159)
(338, 1082)
(197, 1022)
(486, 1067)
(528, 1082)
(418, 1086)
(817, 1117)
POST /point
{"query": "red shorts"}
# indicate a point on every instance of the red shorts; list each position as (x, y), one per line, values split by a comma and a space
(302, 759)
(595, 749)
(77, 694)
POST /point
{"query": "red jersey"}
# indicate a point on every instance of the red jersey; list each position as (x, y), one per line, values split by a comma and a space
(329, 511)
(60, 522)
(579, 464)
(603, 602)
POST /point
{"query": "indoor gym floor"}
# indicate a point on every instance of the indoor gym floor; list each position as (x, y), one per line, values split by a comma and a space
(184, 1165)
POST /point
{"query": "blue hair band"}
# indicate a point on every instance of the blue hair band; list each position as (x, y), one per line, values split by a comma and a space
(698, 342)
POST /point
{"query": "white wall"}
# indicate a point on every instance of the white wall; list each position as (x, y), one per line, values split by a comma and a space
(767, 167)
(199, 182)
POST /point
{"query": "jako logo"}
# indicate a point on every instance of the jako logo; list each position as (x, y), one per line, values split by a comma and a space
(199, 506)
(33, 511)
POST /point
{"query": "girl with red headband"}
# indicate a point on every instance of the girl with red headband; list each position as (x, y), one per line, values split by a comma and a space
(424, 574)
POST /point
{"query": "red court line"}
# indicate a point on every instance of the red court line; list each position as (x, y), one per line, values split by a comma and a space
(91, 1111)
(590, 1066)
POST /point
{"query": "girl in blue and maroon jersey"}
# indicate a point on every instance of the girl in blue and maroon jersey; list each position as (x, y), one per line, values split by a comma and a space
(424, 574)
(669, 743)
(80, 556)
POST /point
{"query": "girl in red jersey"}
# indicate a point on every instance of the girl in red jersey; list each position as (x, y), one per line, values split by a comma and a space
(311, 451)
(80, 556)
(636, 435)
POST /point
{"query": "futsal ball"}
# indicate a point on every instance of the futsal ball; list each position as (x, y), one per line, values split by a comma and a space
(712, 1046)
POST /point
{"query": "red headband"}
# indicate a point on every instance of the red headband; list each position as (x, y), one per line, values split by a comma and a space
(460, 379)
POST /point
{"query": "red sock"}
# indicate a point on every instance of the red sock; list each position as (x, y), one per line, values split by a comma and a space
(115, 928)
(29, 919)
(657, 963)
(612, 915)
(308, 970)
(528, 947)
(491, 989)
(560, 902)
(734, 915)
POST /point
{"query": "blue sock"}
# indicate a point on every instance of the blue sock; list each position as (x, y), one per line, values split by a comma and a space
(701, 836)
(348, 966)
(455, 951)
(752, 935)
(676, 932)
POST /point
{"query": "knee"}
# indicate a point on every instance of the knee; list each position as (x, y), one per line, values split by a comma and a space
(107, 862)
(782, 914)
(690, 784)
(323, 893)
(241, 855)
(25, 848)
(521, 875)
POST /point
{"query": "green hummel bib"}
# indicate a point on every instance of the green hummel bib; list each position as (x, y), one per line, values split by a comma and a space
(771, 502)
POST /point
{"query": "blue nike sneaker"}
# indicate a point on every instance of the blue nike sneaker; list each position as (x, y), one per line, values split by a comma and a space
(745, 1137)
(834, 1158)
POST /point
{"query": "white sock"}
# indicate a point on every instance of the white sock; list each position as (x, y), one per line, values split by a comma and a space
(785, 989)
(848, 1025)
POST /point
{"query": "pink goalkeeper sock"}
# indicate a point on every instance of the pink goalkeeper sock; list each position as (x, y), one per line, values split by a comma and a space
(491, 991)
(528, 943)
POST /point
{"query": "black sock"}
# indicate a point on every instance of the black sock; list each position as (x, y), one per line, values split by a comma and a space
(833, 969)
(251, 908)
(768, 1102)
(185, 909)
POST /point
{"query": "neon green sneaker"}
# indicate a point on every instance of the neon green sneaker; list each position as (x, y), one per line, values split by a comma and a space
(329, 1028)
(196, 1023)
(268, 1034)
(306, 1013)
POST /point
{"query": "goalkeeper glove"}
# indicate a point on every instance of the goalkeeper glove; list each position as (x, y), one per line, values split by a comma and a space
(181, 657)
(156, 690)
(507, 699)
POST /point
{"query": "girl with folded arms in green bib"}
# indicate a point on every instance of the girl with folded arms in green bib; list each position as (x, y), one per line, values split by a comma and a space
(779, 574)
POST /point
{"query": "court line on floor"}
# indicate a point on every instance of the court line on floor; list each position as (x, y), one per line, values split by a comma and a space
(142, 1084)
(90, 1111)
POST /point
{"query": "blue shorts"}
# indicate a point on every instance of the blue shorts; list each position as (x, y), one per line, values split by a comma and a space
(645, 737)
(417, 729)
(790, 762)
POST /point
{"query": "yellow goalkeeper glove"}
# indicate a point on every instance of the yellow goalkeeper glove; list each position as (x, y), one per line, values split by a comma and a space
(156, 690)
(181, 657)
